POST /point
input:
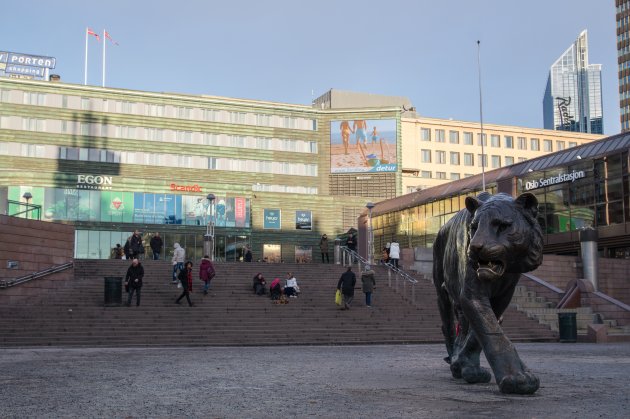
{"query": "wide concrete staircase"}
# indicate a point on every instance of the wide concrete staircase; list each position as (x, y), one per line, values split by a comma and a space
(545, 312)
(74, 314)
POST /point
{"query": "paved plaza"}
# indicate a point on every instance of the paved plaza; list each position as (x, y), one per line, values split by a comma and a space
(410, 381)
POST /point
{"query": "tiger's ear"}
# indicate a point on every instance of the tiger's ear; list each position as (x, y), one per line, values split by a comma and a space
(472, 204)
(528, 202)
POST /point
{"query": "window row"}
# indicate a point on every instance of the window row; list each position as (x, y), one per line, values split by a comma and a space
(468, 160)
(156, 159)
(521, 143)
(156, 110)
(156, 134)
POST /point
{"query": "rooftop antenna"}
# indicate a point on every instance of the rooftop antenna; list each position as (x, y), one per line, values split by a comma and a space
(483, 156)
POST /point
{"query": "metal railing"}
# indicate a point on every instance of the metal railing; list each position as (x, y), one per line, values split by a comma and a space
(395, 276)
(6, 283)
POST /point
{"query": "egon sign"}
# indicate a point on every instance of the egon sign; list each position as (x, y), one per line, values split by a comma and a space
(94, 182)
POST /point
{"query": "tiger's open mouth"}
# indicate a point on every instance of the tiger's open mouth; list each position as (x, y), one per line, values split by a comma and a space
(490, 270)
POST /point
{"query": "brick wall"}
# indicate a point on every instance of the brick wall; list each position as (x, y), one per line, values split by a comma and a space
(35, 245)
(559, 270)
(614, 278)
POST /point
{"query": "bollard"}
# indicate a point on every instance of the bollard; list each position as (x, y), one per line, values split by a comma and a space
(588, 245)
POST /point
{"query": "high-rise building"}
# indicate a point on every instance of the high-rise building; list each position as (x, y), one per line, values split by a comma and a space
(573, 97)
(623, 61)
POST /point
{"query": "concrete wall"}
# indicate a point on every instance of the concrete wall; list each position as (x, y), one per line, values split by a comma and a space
(35, 245)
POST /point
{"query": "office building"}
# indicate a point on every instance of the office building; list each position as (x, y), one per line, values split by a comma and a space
(573, 96)
(623, 61)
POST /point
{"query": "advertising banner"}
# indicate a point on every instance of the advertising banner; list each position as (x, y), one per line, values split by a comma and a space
(361, 145)
(271, 219)
(303, 220)
(240, 212)
(117, 207)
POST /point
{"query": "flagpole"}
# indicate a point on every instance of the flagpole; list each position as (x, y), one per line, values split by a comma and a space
(483, 156)
(86, 58)
(104, 42)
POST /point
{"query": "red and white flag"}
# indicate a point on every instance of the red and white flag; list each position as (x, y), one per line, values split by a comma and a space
(91, 32)
(107, 35)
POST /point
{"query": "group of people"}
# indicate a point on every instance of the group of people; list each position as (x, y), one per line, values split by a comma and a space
(182, 275)
(391, 254)
(348, 281)
(134, 247)
(276, 290)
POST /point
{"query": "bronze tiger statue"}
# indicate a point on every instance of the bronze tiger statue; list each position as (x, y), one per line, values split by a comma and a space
(478, 257)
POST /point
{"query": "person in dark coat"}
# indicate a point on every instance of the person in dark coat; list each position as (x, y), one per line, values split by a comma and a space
(248, 254)
(127, 248)
(369, 284)
(259, 284)
(206, 273)
(351, 242)
(136, 244)
(185, 278)
(346, 284)
(133, 281)
(156, 244)
(323, 247)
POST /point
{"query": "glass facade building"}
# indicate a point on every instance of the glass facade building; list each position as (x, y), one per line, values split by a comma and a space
(573, 95)
(585, 186)
(623, 61)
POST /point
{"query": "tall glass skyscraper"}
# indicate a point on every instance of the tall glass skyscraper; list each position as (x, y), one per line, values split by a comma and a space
(623, 59)
(573, 97)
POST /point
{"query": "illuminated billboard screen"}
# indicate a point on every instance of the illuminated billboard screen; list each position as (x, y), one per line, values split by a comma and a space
(363, 145)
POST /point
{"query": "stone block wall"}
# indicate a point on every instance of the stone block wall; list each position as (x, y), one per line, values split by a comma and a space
(614, 278)
(35, 245)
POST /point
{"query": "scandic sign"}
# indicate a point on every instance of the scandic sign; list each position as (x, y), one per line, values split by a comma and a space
(186, 188)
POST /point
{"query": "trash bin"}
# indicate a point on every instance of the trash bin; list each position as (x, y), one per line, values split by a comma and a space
(567, 327)
(113, 290)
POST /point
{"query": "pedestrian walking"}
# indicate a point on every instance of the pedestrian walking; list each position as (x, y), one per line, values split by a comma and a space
(133, 281)
(394, 253)
(156, 244)
(127, 248)
(369, 284)
(323, 247)
(206, 273)
(248, 254)
(346, 284)
(136, 245)
(351, 242)
(179, 255)
(185, 278)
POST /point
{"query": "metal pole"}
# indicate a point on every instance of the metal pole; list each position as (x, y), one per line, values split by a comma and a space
(483, 156)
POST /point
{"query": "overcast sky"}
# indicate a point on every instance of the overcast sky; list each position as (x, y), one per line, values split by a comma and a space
(291, 51)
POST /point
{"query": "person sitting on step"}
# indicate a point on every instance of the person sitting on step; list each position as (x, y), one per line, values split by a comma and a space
(291, 289)
(275, 289)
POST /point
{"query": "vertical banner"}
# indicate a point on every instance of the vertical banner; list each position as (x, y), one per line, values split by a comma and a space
(303, 220)
(239, 212)
(271, 219)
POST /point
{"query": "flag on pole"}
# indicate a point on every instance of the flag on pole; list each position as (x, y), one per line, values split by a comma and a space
(91, 32)
(108, 36)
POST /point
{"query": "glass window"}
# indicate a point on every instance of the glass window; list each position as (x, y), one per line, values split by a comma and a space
(455, 158)
(560, 145)
(440, 175)
(534, 144)
(426, 174)
(425, 156)
(482, 160)
(508, 141)
(496, 162)
(85, 103)
(572, 144)
(495, 140)
(439, 136)
(425, 134)
(485, 139)
(468, 138)
(453, 137)
(522, 143)
(440, 157)
(469, 159)
(455, 176)
(509, 160)
(547, 146)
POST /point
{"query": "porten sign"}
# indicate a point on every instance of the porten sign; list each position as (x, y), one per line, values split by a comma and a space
(94, 182)
(554, 180)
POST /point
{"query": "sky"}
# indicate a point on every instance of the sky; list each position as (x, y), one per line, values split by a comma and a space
(292, 51)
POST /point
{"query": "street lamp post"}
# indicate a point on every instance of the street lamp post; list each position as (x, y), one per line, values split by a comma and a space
(208, 238)
(370, 251)
(27, 196)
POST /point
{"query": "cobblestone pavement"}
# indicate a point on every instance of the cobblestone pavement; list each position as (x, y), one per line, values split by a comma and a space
(577, 381)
